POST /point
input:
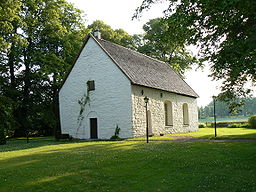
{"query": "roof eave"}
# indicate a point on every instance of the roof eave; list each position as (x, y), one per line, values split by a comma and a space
(73, 64)
(193, 96)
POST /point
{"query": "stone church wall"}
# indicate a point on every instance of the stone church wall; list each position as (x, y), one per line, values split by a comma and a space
(156, 107)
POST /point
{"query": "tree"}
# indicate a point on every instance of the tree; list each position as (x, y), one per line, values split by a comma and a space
(41, 40)
(5, 116)
(222, 109)
(160, 44)
(225, 32)
(118, 36)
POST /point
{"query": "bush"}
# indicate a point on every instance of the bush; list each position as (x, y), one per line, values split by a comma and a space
(238, 125)
(252, 121)
(116, 134)
(246, 125)
(234, 125)
(201, 125)
(2, 136)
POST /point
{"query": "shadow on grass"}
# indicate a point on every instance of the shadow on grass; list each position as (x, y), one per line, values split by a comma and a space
(248, 137)
(20, 144)
(130, 166)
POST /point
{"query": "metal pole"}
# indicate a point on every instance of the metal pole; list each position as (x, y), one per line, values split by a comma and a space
(147, 120)
(214, 112)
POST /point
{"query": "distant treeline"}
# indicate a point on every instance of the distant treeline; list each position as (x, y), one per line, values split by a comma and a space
(222, 109)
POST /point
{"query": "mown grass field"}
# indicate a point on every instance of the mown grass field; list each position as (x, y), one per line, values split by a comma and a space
(47, 165)
(208, 133)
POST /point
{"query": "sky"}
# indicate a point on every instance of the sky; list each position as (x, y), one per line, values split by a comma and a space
(118, 14)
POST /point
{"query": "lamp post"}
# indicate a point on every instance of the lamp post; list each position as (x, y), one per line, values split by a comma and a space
(146, 99)
(214, 113)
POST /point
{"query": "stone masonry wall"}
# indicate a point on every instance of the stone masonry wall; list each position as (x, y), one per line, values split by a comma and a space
(156, 106)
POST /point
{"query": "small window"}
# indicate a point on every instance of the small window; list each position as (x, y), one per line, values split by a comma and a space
(90, 85)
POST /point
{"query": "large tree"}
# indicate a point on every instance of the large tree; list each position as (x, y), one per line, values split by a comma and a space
(157, 42)
(225, 32)
(41, 41)
(118, 36)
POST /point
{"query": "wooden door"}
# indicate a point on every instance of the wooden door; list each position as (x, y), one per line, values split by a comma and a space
(94, 128)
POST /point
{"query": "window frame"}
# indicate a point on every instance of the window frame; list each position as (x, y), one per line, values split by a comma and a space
(185, 113)
(91, 85)
(168, 113)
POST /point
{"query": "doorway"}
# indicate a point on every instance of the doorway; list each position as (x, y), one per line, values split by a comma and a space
(94, 128)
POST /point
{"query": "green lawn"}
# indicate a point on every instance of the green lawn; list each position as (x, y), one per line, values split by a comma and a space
(46, 165)
(208, 133)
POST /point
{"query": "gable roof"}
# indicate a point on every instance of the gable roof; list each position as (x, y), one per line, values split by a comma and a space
(146, 71)
(142, 70)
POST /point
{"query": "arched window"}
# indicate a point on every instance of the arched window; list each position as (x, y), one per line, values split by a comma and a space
(168, 113)
(150, 132)
(185, 114)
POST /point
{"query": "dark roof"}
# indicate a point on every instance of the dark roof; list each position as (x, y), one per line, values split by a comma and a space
(146, 71)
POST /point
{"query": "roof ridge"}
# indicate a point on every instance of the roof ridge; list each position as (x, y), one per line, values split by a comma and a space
(109, 55)
(130, 75)
(155, 59)
(138, 52)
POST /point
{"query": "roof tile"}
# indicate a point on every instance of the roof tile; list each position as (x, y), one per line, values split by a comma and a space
(146, 71)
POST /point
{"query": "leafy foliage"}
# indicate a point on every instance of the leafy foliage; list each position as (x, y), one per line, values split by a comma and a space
(85, 99)
(222, 109)
(116, 134)
(6, 117)
(238, 125)
(2, 136)
(159, 43)
(118, 36)
(154, 43)
(225, 32)
(201, 125)
(40, 39)
(252, 121)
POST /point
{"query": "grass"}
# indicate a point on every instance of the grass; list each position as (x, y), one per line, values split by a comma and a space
(208, 133)
(226, 119)
(222, 133)
(66, 166)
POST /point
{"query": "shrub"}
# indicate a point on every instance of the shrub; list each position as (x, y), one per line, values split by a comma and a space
(201, 125)
(2, 136)
(252, 121)
(116, 134)
(238, 125)
(246, 125)
(234, 125)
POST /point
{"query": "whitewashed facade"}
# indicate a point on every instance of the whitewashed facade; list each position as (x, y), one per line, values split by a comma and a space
(116, 101)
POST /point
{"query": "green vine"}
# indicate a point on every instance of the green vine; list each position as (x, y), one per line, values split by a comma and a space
(116, 134)
(82, 102)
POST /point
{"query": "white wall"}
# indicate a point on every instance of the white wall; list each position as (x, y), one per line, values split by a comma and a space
(110, 102)
(156, 106)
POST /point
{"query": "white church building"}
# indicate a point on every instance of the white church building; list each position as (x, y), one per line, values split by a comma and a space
(106, 87)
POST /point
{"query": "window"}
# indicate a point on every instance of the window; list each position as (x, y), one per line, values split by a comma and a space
(168, 113)
(90, 85)
(185, 114)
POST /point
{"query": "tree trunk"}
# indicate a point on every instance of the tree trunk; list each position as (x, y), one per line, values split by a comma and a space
(11, 60)
(11, 66)
(27, 84)
(57, 129)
